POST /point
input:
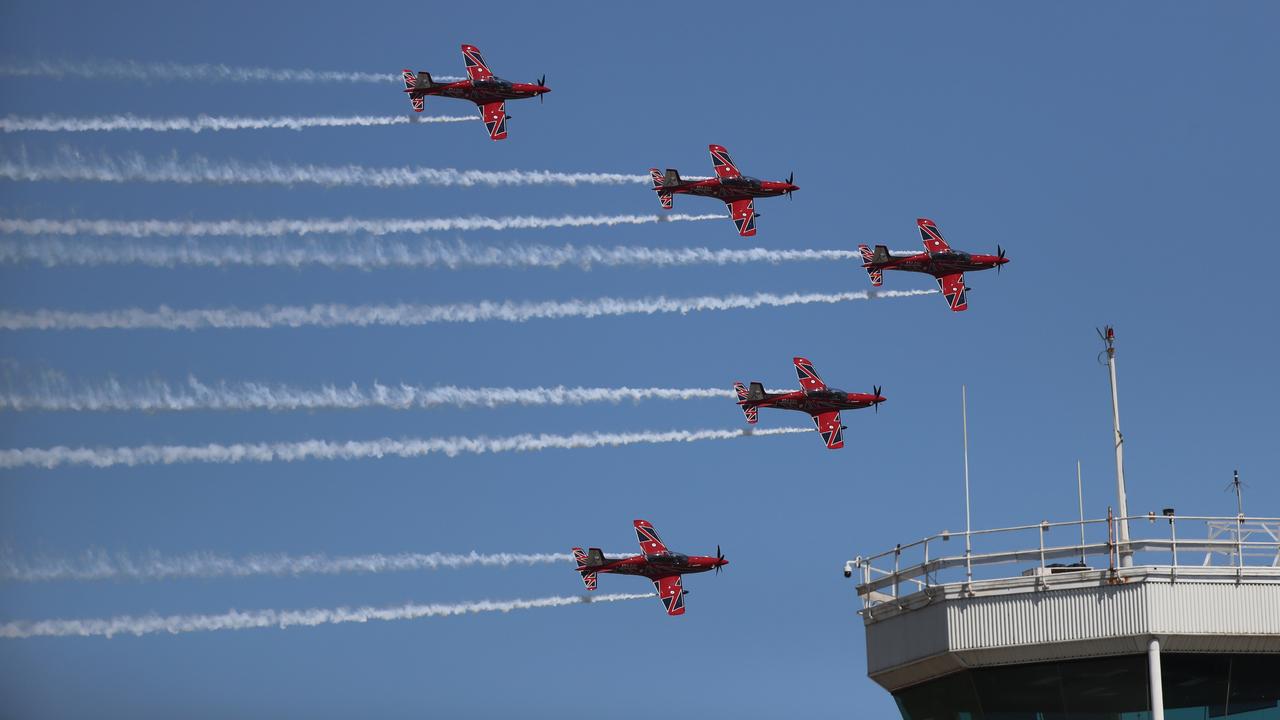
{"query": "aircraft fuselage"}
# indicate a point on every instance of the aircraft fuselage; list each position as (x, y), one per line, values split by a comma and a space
(940, 263)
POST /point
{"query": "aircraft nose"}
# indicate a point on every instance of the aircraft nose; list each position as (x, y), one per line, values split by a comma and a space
(723, 561)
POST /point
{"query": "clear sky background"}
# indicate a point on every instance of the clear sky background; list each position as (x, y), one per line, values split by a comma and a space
(1124, 155)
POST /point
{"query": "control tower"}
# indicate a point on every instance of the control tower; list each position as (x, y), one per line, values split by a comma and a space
(1118, 617)
(1191, 625)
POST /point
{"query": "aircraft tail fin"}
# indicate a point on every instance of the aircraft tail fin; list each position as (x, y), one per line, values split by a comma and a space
(752, 412)
(663, 197)
(410, 84)
(672, 177)
(588, 578)
(868, 258)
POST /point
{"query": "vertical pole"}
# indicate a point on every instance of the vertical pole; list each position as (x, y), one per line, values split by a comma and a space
(1080, 499)
(968, 547)
(1126, 558)
(1157, 689)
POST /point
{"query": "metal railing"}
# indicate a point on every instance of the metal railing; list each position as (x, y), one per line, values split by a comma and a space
(1190, 544)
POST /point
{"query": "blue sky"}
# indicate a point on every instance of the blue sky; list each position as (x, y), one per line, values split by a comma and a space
(1123, 155)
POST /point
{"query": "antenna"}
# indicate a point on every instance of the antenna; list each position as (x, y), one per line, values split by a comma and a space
(1237, 484)
(1080, 498)
(964, 420)
(1108, 336)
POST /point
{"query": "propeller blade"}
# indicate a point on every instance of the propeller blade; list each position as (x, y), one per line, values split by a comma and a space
(543, 82)
(876, 391)
(999, 255)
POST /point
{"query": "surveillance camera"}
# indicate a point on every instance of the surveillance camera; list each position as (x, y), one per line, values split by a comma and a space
(848, 573)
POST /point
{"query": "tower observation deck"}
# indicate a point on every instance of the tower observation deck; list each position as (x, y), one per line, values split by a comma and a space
(1074, 620)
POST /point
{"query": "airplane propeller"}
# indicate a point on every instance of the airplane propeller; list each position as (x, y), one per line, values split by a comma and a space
(542, 81)
(1000, 255)
(790, 181)
(719, 556)
(876, 392)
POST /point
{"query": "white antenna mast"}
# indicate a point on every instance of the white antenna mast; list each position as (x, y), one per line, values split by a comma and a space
(1109, 337)
(1080, 498)
(968, 547)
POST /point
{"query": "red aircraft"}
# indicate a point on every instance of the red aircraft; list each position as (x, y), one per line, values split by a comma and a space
(947, 266)
(821, 402)
(730, 186)
(657, 563)
(486, 90)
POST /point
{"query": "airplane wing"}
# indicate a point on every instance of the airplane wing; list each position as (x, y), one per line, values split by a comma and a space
(670, 593)
(809, 379)
(932, 238)
(954, 291)
(650, 543)
(743, 213)
(830, 428)
(476, 69)
(495, 118)
(723, 164)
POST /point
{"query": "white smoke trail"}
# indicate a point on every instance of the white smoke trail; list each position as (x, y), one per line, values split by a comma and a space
(379, 254)
(202, 123)
(237, 620)
(355, 449)
(319, 226)
(56, 394)
(71, 166)
(132, 70)
(100, 565)
(334, 315)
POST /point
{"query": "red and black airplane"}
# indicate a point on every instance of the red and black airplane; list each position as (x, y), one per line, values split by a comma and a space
(488, 91)
(821, 402)
(656, 562)
(947, 266)
(736, 190)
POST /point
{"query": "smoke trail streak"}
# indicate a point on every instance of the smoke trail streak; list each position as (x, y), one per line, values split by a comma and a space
(99, 565)
(56, 394)
(132, 70)
(54, 457)
(71, 166)
(202, 123)
(191, 229)
(374, 254)
(405, 315)
(237, 620)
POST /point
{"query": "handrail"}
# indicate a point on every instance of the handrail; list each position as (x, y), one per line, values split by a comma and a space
(1232, 537)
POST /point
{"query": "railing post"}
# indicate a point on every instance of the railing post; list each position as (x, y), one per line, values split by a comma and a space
(926, 562)
(1173, 538)
(897, 578)
(1044, 528)
(1239, 550)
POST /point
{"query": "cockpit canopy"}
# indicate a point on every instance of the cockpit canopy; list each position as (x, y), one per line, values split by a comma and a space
(494, 81)
(744, 180)
(670, 558)
(951, 255)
